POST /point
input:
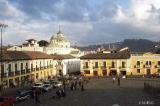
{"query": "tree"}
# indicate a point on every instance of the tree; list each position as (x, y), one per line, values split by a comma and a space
(43, 43)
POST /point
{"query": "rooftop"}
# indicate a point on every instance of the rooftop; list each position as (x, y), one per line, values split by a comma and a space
(61, 57)
(23, 55)
(117, 55)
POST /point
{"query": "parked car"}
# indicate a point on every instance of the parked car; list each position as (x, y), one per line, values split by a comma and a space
(38, 85)
(23, 95)
(47, 83)
(47, 87)
(57, 84)
(7, 101)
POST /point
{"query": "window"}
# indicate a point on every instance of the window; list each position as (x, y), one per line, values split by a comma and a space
(104, 64)
(15, 67)
(113, 65)
(138, 63)
(158, 70)
(148, 63)
(26, 66)
(123, 64)
(31, 66)
(138, 70)
(59, 63)
(87, 72)
(158, 63)
(21, 66)
(9, 67)
(2, 69)
(96, 64)
(86, 64)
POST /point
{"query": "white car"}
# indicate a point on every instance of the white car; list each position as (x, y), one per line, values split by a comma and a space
(57, 84)
(38, 85)
(47, 87)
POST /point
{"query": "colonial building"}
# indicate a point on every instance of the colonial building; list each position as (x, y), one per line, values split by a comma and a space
(145, 63)
(105, 64)
(120, 63)
(20, 67)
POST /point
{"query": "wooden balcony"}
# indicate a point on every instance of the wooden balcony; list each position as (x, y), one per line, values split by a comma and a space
(17, 72)
(28, 71)
(23, 72)
(10, 74)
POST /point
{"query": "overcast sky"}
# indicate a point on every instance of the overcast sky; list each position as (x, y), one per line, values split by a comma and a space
(82, 21)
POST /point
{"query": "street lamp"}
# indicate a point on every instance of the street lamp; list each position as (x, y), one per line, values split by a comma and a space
(2, 26)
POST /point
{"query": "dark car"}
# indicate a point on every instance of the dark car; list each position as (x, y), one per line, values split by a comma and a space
(24, 95)
(7, 101)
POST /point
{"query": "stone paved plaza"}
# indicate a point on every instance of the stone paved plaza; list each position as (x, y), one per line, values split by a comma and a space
(100, 92)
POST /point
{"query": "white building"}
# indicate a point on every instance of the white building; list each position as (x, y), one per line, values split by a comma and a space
(28, 45)
(66, 64)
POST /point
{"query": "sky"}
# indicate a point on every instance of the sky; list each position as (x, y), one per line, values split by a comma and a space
(83, 22)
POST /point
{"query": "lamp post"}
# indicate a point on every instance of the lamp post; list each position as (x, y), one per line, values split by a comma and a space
(2, 26)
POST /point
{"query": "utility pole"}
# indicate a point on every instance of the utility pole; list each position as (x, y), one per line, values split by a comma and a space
(2, 26)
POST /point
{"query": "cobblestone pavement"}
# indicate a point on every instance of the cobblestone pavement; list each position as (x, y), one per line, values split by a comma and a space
(100, 92)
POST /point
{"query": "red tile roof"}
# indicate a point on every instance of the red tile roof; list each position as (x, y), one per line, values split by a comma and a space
(118, 55)
(61, 57)
(23, 55)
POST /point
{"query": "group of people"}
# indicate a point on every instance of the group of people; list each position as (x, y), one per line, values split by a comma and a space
(70, 85)
(118, 80)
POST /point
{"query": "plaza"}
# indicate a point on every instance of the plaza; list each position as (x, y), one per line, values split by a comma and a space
(101, 92)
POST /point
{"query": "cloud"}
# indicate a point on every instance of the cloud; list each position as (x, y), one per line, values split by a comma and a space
(83, 21)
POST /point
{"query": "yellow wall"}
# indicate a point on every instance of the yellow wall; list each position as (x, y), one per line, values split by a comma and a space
(131, 68)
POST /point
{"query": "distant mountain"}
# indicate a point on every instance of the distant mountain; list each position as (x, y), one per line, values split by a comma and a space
(138, 45)
(135, 45)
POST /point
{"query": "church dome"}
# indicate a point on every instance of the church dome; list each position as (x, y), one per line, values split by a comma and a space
(59, 40)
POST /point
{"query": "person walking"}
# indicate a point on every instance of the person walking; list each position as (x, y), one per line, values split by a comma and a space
(118, 81)
(114, 79)
(82, 86)
(37, 92)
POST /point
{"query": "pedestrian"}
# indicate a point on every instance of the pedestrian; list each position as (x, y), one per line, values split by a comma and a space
(114, 79)
(75, 84)
(72, 86)
(118, 81)
(82, 86)
(63, 93)
(37, 92)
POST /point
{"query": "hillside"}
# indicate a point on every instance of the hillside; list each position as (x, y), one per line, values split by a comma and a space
(135, 45)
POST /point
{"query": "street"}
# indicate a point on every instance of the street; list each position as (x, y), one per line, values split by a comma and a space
(100, 92)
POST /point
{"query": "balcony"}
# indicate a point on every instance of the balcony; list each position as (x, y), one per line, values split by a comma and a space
(10, 74)
(28, 71)
(37, 69)
(147, 66)
(112, 67)
(137, 66)
(157, 66)
(17, 72)
(85, 67)
(103, 67)
(23, 72)
(95, 67)
(4, 75)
